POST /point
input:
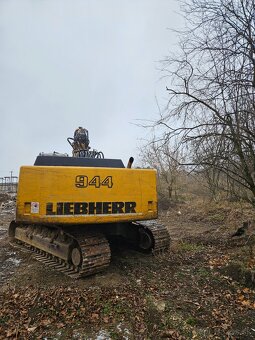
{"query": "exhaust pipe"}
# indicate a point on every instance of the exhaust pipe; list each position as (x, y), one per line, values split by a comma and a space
(130, 162)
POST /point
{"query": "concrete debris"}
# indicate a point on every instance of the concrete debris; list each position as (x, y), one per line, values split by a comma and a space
(8, 206)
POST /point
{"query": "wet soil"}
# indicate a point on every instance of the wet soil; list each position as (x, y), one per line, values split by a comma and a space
(191, 291)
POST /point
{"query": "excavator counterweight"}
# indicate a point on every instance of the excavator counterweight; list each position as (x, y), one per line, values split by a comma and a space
(68, 208)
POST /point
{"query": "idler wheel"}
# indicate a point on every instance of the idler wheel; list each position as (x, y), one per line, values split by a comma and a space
(76, 257)
(146, 241)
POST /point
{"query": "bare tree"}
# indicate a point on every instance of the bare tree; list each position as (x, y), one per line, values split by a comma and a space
(211, 109)
(167, 163)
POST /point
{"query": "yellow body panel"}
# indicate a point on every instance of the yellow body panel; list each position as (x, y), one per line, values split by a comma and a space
(81, 195)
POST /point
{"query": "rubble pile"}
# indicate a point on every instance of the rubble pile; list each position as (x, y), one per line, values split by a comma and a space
(3, 197)
(8, 205)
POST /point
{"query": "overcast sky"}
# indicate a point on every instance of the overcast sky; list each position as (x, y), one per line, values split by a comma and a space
(70, 63)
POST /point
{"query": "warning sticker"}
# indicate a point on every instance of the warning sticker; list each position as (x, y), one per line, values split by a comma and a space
(34, 207)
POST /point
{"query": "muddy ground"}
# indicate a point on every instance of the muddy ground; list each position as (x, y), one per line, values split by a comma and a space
(202, 288)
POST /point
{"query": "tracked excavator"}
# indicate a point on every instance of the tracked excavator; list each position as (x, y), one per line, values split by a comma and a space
(68, 208)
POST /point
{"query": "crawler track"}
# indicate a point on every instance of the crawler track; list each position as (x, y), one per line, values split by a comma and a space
(95, 255)
(82, 253)
(157, 235)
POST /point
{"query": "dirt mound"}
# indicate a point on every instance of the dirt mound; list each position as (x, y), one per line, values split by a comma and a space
(211, 213)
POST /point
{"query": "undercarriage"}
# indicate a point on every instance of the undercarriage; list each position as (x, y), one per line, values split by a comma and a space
(80, 251)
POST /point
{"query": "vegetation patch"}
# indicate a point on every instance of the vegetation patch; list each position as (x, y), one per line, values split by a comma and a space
(190, 247)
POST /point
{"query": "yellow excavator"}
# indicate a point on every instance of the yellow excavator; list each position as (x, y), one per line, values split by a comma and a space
(68, 208)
